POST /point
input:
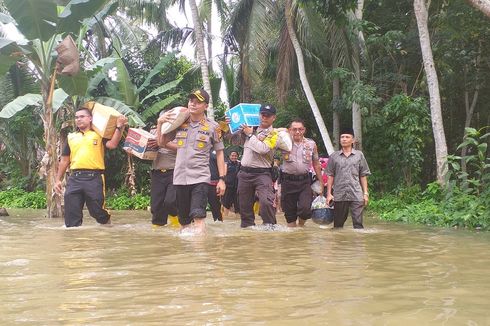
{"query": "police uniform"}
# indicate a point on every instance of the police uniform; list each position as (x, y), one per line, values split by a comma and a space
(163, 196)
(191, 174)
(255, 175)
(296, 196)
(86, 183)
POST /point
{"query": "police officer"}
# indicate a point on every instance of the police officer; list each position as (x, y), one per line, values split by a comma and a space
(84, 154)
(256, 168)
(296, 195)
(163, 195)
(194, 139)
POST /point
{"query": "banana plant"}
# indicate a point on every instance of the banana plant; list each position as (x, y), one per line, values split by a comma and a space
(43, 23)
(123, 95)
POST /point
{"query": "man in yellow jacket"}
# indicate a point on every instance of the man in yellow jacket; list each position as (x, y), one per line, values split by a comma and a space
(84, 155)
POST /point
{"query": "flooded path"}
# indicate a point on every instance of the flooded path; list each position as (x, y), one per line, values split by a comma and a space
(131, 274)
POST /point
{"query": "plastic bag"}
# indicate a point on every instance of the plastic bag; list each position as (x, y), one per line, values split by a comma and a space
(319, 202)
(316, 187)
(320, 212)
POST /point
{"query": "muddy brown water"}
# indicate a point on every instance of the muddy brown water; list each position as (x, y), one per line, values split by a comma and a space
(131, 274)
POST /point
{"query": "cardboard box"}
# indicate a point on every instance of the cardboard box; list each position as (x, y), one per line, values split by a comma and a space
(243, 113)
(136, 143)
(104, 119)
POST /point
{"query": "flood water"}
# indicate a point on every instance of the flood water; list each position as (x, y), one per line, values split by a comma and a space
(131, 274)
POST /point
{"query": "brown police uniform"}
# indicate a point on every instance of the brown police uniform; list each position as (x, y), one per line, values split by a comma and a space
(255, 175)
(191, 174)
(86, 183)
(163, 195)
(296, 193)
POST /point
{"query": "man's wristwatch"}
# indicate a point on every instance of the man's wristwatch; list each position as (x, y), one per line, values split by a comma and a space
(119, 128)
(222, 177)
(366, 194)
(248, 136)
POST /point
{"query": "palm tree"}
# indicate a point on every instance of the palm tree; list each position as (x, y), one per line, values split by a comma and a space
(248, 34)
(39, 22)
(201, 54)
(304, 79)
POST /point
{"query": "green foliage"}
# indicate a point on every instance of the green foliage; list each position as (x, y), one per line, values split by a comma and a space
(464, 203)
(435, 207)
(18, 198)
(400, 131)
(22, 138)
(122, 200)
(475, 177)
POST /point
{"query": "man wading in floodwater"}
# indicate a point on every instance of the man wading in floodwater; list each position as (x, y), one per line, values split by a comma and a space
(296, 196)
(256, 168)
(84, 154)
(347, 172)
(194, 139)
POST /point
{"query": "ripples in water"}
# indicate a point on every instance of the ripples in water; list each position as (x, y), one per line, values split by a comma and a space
(131, 273)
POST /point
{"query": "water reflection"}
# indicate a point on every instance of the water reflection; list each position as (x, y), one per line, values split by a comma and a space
(387, 274)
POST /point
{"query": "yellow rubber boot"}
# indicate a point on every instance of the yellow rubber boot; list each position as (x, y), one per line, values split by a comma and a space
(173, 221)
(256, 207)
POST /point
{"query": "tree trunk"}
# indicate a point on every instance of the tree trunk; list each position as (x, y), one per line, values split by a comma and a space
(304, 81)
(53, 201)
(201, 55)
(336, 115)
(469, 110)
(356, 109)
(210, 41)
(131, 176)
(433, 85)
(244, 77)
(482, 5)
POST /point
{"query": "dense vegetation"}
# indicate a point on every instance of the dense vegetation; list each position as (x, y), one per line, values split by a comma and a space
(363, 65)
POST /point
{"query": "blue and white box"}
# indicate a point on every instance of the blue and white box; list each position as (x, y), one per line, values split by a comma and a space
(243, 113)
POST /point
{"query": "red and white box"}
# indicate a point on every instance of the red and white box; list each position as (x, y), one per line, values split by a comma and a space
(136, 143)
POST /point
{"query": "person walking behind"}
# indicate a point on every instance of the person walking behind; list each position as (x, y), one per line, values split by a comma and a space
(84, 155)
(347, 185)
(230, 197)
(296, 193)
(162, 193)
(195, 138)
(256, 168)
(213, 199)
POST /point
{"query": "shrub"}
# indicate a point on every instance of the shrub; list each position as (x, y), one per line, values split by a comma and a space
(18, 198)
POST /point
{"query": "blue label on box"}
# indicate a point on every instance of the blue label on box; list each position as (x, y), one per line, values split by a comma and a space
(243, 113)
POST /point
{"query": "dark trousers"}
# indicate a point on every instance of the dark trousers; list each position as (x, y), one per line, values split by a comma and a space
(191, 202)
(230, 198)
(296, 198)
(341, 210)
(214, 203)
(85, 188)
(248, 185)
(163, 196)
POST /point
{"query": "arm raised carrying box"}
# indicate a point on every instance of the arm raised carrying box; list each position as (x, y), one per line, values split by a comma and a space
(104, 119)
(243, 113)
(136, 143)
